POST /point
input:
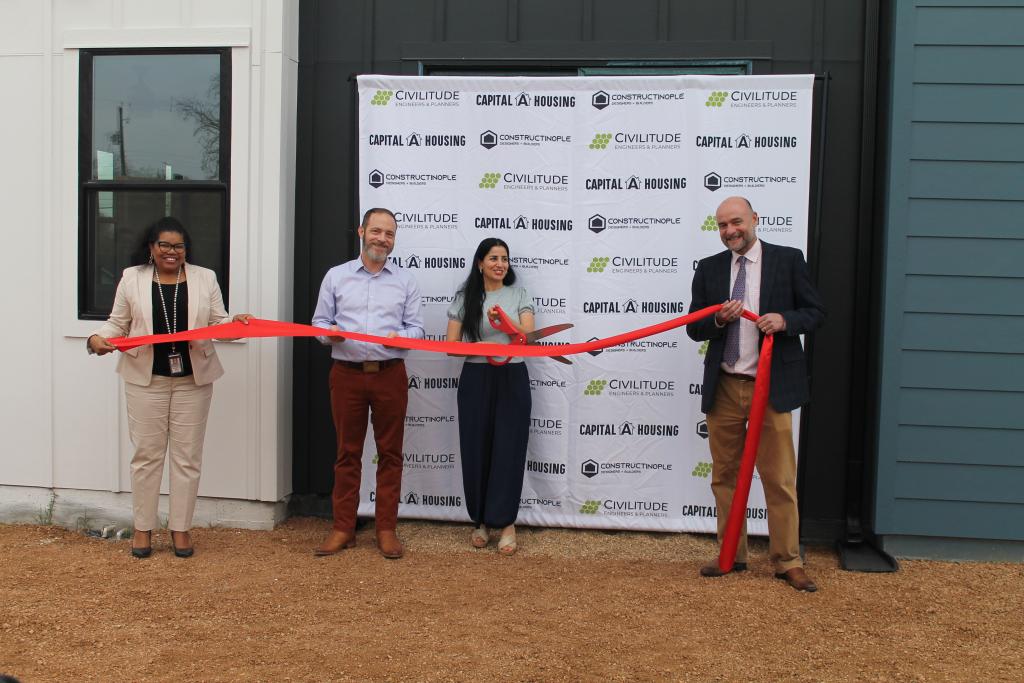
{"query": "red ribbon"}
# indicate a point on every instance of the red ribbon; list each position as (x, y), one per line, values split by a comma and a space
(257, 327)
(762, 384)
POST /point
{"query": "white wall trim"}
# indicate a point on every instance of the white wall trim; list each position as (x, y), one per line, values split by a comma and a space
(157, 37)
(84, 509)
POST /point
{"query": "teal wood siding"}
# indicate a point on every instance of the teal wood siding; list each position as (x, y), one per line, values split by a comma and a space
(951, 418)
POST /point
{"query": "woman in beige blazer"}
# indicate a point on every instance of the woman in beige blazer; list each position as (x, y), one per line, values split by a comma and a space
(168, 387)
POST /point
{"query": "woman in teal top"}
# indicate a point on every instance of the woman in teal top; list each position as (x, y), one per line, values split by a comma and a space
(494, 400)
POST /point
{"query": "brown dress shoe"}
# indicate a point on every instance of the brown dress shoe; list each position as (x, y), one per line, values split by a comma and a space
(798, 579)
(713, 570)
(388, 544)
(335, 542)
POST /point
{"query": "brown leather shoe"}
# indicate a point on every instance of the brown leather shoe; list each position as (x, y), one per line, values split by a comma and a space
(388, 544)
(712, 570)
(798, 579)
(335, 542)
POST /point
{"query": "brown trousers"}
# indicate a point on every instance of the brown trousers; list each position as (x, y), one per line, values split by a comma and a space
(382, 397)
(776, 464)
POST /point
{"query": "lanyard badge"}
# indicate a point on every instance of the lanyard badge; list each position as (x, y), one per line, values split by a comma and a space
(174, 360)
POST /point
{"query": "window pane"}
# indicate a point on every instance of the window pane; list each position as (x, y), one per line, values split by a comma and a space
(117, 225)
(156, 116)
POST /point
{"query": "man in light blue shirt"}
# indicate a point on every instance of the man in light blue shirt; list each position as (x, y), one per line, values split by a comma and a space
(371, 295)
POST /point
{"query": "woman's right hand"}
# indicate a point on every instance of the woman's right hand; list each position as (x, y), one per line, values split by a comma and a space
(100, 345)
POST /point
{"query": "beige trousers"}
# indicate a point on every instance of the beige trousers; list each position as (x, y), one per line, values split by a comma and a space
(776, 464)
(167, 418)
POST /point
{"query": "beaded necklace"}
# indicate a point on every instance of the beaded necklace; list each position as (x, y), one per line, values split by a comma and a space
(171, 327)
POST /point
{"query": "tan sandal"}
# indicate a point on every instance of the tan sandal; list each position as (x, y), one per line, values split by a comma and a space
(507, 545)
(480, 538)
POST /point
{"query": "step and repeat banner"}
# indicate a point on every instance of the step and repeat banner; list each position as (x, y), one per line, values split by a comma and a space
(605, 189)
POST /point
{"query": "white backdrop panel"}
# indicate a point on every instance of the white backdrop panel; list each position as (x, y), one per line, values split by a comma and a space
(605, 189)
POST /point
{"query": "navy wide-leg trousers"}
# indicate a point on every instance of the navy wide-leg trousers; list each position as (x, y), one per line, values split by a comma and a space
(494, 427)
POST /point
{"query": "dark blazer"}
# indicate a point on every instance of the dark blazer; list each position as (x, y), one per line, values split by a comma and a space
(786, 288)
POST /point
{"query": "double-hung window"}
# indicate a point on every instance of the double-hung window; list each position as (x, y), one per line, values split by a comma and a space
(154, 141)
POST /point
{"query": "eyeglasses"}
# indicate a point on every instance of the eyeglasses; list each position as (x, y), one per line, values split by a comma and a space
(167, 247)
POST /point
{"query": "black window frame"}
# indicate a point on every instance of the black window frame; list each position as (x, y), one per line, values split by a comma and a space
(87, 186)
(570, 67)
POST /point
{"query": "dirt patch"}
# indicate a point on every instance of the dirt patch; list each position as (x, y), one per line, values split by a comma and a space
(570, 606)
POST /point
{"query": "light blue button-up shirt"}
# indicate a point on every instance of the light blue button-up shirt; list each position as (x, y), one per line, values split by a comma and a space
(357, 300)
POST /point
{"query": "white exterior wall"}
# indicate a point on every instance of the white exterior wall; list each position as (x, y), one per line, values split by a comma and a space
(62, 413)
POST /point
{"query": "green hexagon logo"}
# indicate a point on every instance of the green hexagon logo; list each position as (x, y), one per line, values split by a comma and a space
(716, 98)
(382, 97)
(590, 507)
(598, 264)
(709, 225)
(703, 350)
(600, 140)
(489, 181)
(595, 387)
(702, 470)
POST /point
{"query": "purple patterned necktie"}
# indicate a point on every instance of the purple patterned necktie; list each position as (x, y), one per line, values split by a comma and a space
(732, 331)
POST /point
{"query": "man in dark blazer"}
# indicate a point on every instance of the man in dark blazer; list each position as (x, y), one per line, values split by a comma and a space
(773, 282)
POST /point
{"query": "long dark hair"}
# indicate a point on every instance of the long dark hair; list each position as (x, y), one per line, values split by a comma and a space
(473, 288)
(152, 235)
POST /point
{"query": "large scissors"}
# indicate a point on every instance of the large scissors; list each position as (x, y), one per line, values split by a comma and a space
(504, 324)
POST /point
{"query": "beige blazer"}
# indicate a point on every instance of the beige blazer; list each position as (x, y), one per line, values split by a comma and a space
(132, 316)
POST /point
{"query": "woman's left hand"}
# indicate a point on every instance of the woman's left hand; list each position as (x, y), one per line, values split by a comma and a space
(243, 318)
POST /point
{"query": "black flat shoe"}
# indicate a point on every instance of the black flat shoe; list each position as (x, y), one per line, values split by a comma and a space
(142, 553)
(181, 552)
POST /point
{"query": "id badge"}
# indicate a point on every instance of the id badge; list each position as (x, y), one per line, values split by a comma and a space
(176, 364)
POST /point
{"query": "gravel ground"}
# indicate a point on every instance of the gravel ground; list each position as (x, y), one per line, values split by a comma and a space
(570, 606)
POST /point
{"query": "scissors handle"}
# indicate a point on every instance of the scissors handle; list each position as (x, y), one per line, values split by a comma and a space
(505, 324)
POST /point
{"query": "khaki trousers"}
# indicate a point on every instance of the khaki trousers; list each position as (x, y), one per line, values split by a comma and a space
(167, 418)
(776, 464)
